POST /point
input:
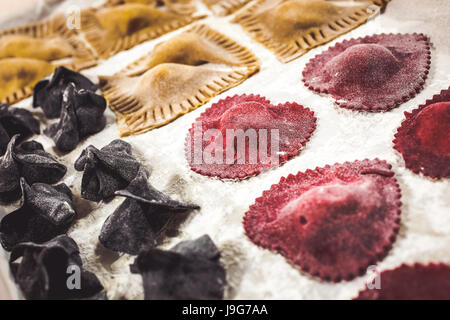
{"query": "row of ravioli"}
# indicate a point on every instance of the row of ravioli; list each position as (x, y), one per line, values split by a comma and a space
(292, 218)
(373, 73)
(29, 53)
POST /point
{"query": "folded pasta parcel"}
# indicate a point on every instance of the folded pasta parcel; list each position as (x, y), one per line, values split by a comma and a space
(32, 52)
(178, 76)
(290, 28)
(111, 29)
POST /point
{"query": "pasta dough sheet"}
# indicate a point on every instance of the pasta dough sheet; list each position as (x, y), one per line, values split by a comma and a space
(341, 135)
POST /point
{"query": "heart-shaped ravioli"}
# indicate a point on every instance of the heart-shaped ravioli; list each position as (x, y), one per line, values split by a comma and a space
(374, 73)
(241, 136)
(333, 222)
(424, 137)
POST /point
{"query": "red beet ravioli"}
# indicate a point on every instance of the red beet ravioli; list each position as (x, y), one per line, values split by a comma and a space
(374, 73)
(417, 282)
(424, 137)
(332, 222)
(241, 136)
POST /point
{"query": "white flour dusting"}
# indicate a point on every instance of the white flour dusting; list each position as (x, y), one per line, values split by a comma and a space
(341, 135)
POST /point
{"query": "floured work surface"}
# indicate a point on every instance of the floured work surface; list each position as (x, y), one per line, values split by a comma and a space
(341, 135)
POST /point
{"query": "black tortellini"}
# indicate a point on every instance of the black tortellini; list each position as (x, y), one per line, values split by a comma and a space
(30, 161)
(138, 221)
(44, 213)
(189, 271)
(15, 121)
(81, 116)
(106, 170)
(48, 94)
(44, 271)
